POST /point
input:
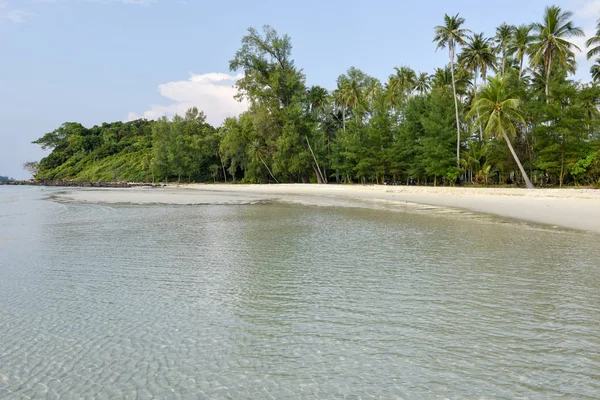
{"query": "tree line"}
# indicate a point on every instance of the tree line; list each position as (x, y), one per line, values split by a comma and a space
(504, 110)
(4, 178)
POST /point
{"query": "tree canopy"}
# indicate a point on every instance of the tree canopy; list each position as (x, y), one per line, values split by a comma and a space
(504, 110)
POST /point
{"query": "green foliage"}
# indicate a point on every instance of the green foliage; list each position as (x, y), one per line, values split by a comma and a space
(537, 122)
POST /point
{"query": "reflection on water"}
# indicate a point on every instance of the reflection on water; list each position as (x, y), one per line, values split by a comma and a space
(283, 301)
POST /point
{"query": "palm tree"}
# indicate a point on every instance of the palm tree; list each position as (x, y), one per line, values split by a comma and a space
(317, 97)
(401, 84)
(502, 38)
(550, 43)
(256, 153)
(341, 98)
(355, 96)
(450, 35)
(595, 70)
(499, 112)
(594, 40)
(372, 90)
(519, 45)
(478, 56)
(423, 83)
(441, 78)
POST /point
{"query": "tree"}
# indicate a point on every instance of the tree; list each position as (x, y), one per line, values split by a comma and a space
(499, 113)
(450, 35)
(401, 84)
(478, 56)
(595, 71)
(550, 45)
(502, 39)
(423, 83)
(270, 76)
(161, 137)
(519, 45)
(341, 97)
(31, 167)
(593, 43)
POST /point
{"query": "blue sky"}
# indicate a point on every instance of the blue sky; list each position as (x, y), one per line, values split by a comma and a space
(107, 60)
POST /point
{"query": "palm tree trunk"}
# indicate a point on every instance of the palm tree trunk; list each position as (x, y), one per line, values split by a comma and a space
(268, 169)
(562, 160)
(548, 65)
(512, 151)
(455, 107)
(521, 69)
(224, 173)
(475, 95)
(344, 118)
(320, 176)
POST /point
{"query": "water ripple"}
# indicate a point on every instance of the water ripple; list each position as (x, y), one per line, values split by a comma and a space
(287, 301)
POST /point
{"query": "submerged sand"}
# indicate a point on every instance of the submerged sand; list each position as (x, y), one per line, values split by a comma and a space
(569, 208)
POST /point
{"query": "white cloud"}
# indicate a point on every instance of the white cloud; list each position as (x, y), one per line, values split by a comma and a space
(8, 13)
(586, 14)
(134, 2)
(212, 93)
(588, 9)
(13, 15)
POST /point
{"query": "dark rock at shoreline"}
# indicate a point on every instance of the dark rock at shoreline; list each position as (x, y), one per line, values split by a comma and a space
(64, 183)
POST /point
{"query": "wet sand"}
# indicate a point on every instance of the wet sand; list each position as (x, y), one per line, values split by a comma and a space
(569, 208)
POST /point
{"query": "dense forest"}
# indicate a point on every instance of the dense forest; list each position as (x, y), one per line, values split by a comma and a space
(504, 110)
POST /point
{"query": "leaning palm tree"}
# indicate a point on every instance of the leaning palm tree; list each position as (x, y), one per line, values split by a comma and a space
(519, 45)
(502, 39)
(550, 45)
(450, 35)
(422, 83)
(499, 113)
(478, 56)
(256, 153)
(594, 41)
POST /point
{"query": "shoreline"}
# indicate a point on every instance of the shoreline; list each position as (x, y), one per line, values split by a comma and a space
(569, 208)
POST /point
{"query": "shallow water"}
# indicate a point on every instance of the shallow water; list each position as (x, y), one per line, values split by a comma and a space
(288, 301)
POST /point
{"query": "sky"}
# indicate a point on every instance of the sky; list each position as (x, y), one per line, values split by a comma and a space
(94, 61)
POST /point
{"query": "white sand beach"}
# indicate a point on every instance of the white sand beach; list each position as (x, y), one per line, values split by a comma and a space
(569, 208)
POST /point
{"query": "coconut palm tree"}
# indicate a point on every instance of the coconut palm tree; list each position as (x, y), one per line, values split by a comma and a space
(502, 39)
(450, 35)
(550, 45)
(317, 98)
(355, 96)
(499, 113)
(477, 56)
(401, 84)
(372, 89)
(594, 40)
(257, 153)
(595, 70)
(341, 97)
(422, 83)
(441, 78)
(519, 45)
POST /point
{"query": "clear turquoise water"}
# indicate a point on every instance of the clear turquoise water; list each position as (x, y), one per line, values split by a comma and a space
(282, 301)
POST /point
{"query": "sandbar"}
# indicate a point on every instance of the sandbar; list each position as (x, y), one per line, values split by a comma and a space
(569, 208)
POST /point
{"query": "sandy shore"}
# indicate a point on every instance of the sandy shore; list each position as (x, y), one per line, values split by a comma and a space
(570, 208)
